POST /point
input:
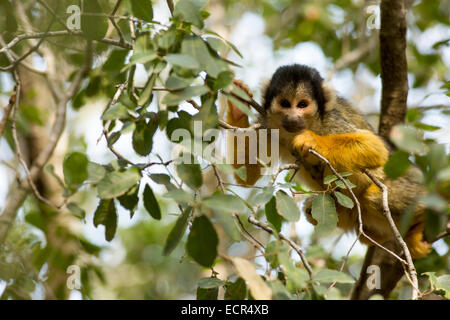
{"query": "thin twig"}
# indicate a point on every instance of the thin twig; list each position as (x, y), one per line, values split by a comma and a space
(293, 245)
(18, 193)
(39, 35)
(18, 149)
(7, 110)
(353, 56)
(281, 169)
(113, 21)
(258, 245)
(398, 236)
(358, 206)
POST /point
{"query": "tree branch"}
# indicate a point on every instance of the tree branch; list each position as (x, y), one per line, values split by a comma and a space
(61, 33)
(293, 245)
(7, 110)
(394, 73)
(18, 192)
(353, 56)
(398, 236)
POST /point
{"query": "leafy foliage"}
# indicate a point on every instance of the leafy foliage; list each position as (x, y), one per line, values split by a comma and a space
(185, 64)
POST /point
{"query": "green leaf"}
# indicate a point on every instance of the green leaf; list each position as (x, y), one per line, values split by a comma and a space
(142, 9)
(180, 196)
(287, 207)
(202, 242)
(209, 283)
(146, 94)
(191, 174)
(272, 214)
(182, 61)
(115, 61)
(344, 200)
(143, 137)
(174, 82)
(279, 291)
(224, 79)
(426, 127)
(118, 111)
(225, 219)
(175, 97)
(408, 138)
(263, 197)
(216, 44)
(207, 294)
(225, 202)
(196, 48)
(342, 185)
(75, 169)
(236, 290)
(441, 283)
(324, 212)
(397, 164)
(93, 27)
(271, 253)
(164, 179)
(177, 233)
(329, 179)
(50, 169)
(76, 210)
(434, 202)
(96, 172)
(106, 215)
(232, 46)
(328, 276)
(150, 203)
(189, 10)
(130, 200)
(116, 183)
(240, 105)
(142, 57)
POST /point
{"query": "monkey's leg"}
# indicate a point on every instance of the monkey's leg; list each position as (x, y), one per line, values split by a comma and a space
(237, 118)
(345, 151)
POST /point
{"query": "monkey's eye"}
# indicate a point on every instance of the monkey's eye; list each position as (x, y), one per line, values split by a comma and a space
(285, 104)
(302, 104)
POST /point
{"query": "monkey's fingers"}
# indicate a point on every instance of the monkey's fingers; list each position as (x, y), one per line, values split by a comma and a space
(236, 113)
(241, 85)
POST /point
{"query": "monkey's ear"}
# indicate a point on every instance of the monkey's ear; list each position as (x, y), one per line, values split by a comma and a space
(264, 86)
(330, 95)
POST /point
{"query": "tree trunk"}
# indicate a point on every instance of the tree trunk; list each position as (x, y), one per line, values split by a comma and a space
(394, 67)
(394, 77)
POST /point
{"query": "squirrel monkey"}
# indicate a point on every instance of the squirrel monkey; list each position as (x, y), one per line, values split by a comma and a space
(310, 115)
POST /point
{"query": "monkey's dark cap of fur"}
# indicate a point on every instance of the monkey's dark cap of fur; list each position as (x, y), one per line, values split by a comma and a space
(292, 75)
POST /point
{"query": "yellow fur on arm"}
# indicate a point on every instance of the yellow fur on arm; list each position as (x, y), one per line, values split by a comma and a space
(345, 151)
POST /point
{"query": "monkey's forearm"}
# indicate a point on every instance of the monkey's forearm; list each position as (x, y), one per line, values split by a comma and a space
(345, 151)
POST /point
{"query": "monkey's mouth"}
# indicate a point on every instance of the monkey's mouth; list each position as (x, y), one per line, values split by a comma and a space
(292, 124)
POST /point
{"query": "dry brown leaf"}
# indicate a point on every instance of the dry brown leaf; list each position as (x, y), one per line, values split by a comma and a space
(258, 288)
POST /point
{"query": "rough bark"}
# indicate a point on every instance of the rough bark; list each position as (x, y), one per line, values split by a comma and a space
(394, 73)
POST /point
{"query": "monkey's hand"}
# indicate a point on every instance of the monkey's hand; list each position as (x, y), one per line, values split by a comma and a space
(305, 141)
(346, 151)
(235, 116)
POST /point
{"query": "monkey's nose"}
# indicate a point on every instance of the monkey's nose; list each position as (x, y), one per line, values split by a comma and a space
(292, 124)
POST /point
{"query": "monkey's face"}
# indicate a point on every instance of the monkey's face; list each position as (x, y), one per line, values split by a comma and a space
(293, 108)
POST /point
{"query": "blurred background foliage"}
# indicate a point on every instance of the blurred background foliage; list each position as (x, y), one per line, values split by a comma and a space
(44, 242)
